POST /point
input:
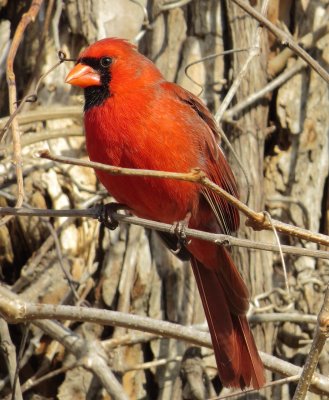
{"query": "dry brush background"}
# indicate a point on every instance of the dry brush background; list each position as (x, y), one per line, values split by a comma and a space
(281, 138)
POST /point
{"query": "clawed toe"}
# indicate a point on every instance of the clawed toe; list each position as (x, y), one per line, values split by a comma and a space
(179, 229)
(106, 216)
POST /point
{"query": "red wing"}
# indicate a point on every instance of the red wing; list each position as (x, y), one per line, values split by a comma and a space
(218, 169)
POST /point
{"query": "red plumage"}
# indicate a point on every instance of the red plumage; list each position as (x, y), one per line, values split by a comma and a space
(136, 119)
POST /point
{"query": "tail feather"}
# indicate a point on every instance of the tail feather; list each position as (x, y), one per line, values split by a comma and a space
(257, 377)
(238, 361)
(218, 259)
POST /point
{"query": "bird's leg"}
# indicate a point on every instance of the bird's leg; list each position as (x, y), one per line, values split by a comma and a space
(106, 212)
(179, 229)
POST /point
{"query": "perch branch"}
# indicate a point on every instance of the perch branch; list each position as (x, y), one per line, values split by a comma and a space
(220, 239)
(256, 220)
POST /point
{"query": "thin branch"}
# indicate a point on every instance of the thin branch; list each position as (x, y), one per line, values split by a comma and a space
(220, 239)
(282, 317)
(32, 97)
(45, 114)
(19, 359)
(277, 63)
(17, 310)
(26, 19)
(281, 253)
(275, 83)
(152, 364)
(169, 5)
(207, 58)
(256, 220)
(235, 395)
(285, 39)
(321, 335)
(34, 381)
(253, 52)
(9, 353)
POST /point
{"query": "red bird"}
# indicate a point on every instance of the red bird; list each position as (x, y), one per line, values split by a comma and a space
(134, 118)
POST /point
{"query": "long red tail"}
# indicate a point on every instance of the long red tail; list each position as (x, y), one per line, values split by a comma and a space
(238, 361)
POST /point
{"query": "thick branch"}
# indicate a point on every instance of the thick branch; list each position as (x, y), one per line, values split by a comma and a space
(16, 310)
(91, 354)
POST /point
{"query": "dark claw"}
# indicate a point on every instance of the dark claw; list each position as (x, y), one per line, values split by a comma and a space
(179, 247)
(106, 212)
(179, 229)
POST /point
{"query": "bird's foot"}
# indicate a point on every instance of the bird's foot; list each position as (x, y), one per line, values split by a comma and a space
(106, 216)
(179, 230)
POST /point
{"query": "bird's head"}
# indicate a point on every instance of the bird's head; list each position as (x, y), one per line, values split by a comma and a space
(108, 67)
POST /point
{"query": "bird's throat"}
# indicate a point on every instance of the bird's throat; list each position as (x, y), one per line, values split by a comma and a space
(96, 96)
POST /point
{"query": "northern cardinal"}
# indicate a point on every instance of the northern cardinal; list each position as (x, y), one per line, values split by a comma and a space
(134, 118)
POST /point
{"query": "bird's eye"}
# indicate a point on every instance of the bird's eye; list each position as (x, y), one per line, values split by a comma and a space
(106, 62)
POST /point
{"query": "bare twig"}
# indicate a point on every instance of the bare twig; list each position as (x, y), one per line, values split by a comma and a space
(253, 52)
(235, 395)
(275, 83)
(280, 251)
(152, 364)
(279, 62)
(26, 19)
(43, 36)
(31, 382)
(45, 135)
(256, 220)
(169, 5)
(220, 239)
(9, 353)
(284, 38)
(282, 317)
(32, 97)
(129, 339)
(207, 58)
(321, 335)
(45, 114)
(19, 359)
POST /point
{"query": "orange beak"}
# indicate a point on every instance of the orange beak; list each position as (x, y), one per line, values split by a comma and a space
(83, 76)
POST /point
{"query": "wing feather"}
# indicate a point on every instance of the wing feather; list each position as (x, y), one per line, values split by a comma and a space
(218, 169)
